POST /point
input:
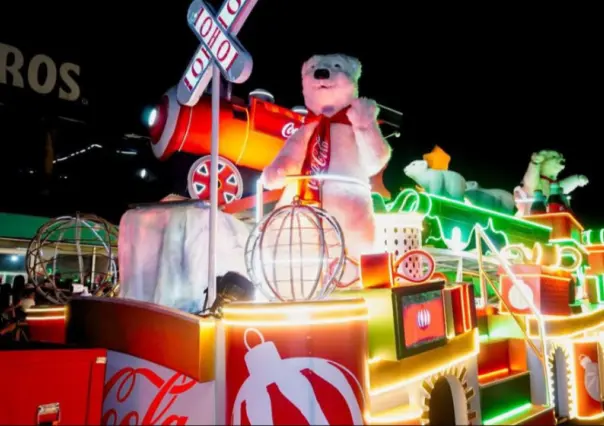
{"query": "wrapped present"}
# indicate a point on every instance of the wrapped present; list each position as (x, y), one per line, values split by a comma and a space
(595, 288)
(550, 290)
(376, 270)
(595, 258)
(460, 308)
(564, 225)
(380, 270)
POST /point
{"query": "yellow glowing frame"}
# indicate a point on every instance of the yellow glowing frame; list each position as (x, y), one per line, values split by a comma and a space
(295, 314)
(387, 376)
(563, 327)
(535, 255)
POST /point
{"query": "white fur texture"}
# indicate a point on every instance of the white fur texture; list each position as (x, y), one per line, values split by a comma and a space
(445, 183)
(357, 151)
(550, 164)
(163, 254)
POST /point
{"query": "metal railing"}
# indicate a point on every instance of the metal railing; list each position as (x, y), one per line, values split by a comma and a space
(520, 286)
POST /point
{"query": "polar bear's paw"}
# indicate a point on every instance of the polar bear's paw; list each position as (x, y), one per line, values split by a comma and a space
(362, 113)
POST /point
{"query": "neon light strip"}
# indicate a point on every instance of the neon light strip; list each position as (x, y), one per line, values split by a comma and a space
(501, 418)
(427, 373)
(402, 416)
(48, 318)
(494, 373)
(557, 215)
(490, 212)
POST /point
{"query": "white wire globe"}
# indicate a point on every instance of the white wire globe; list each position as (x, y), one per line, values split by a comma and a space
(81, 248)
(296, 253)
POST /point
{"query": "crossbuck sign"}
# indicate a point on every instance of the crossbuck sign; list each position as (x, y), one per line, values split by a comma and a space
(219, 47)
(219, 53)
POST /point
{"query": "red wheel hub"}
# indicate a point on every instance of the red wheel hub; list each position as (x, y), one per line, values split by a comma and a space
(230, 182)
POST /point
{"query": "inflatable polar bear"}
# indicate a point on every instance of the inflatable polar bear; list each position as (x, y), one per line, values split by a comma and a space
(493, 198)
(544, 168)
(341, 137)
(445, 183)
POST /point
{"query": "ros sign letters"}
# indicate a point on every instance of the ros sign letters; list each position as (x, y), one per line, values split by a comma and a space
(40, 73)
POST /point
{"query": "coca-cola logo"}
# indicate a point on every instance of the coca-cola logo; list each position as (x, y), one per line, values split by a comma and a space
(166, 393)
(289, 129)
(319, 160)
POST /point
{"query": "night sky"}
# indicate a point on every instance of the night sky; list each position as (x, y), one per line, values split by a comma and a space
(489, 86)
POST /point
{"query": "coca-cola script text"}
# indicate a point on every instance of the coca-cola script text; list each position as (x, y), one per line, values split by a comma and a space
(157, 413)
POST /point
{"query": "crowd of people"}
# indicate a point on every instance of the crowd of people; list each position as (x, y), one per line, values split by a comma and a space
(15, 299)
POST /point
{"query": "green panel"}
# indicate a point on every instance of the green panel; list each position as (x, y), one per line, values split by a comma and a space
(381, 325)
(19, 226)
(477, 290)
(24, 227)
(503, 327)
(454, 221)
(501, 396)
(483, 325)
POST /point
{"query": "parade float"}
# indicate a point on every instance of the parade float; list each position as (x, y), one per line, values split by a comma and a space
(468, 309)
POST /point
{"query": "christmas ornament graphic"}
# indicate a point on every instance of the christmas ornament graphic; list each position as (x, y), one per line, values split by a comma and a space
(592, 377)
(266, 367)
(515, 295)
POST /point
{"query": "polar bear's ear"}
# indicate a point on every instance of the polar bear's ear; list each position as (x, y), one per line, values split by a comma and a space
(420, 164)
(306, 66)
(354, 65)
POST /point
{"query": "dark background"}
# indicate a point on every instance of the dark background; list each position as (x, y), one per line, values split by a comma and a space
(490, 86)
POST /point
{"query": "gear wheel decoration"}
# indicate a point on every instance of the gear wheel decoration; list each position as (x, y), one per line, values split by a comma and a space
(230, 182)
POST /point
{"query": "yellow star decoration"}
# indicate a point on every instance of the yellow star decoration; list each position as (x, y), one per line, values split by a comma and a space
(438, 159)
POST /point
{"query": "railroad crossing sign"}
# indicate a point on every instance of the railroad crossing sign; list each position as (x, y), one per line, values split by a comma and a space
(219, 46)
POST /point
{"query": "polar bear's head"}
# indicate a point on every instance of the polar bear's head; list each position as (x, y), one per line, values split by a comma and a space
(330, 82)
(416, 168)
(553, 163)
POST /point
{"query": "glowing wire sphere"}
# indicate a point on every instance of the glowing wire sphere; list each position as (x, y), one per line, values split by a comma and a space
(81, 248)
(296, 253)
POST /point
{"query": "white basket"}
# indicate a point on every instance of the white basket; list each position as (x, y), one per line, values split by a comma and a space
(397, 233)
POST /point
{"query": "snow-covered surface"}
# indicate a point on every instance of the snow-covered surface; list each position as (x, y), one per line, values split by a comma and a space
(163, 253)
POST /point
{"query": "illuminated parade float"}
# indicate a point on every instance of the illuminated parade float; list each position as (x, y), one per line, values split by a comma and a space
(446, 303)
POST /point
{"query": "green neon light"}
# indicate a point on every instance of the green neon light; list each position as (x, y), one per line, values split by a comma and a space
(501, 418)
(460, 244)
(471, 207)
(411, 201)
(593, 237)
(599, 283)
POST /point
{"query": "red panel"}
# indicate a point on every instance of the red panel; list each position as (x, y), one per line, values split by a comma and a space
(47, 330)
(464, 309)
(546, 418)
(596, 259)
(493, 356)
(73, 378)
(289, 378)
(457, 305)
(471, 305)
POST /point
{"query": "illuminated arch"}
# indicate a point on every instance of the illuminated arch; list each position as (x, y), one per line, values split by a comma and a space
(462, 393)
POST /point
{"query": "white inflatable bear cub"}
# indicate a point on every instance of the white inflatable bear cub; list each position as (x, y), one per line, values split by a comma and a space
(445, 183)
